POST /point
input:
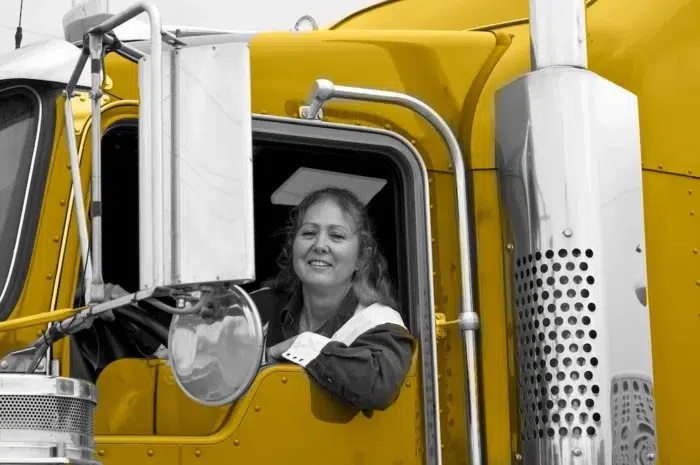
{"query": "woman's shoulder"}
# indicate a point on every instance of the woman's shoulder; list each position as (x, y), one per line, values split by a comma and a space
(379, 314)
(371, 319)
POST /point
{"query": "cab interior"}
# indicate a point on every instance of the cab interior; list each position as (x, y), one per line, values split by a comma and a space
(146, 385)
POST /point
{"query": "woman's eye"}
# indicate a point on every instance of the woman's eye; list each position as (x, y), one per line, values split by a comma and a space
(307, 234)
(337, 237)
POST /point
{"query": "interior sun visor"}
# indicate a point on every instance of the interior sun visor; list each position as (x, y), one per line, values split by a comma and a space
(305, 180)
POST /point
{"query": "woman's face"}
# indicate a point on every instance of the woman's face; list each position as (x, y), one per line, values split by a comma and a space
(326, 249)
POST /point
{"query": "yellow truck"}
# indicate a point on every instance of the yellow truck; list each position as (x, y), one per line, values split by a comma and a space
(532, 171)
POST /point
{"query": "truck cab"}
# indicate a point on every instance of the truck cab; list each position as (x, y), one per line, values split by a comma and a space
(516, 166)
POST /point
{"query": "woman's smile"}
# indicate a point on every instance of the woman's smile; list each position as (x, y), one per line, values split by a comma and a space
(319, 264)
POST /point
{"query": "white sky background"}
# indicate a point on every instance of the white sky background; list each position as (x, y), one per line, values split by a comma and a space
(42, 19)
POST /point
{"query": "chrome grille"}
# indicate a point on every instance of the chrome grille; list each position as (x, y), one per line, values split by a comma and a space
(556, 331)
(48, 413)
(46, 419)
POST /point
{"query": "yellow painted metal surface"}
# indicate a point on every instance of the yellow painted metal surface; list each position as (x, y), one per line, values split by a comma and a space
(673, 262)
(286, 415)
(437, 67)
(178, 415)
(442, 15)
(126, 404)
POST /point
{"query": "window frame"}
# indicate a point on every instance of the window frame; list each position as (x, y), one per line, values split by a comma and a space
(415, 211)
(44, 99)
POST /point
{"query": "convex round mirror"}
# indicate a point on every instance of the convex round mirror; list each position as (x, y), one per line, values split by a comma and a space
(216, 354)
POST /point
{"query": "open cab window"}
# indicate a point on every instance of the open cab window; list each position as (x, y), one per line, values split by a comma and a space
(287, 154)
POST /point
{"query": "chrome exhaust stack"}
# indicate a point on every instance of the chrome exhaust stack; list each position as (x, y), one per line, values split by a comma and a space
(569, 160)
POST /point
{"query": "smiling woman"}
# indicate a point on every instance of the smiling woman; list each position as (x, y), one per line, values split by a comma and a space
(331, 308)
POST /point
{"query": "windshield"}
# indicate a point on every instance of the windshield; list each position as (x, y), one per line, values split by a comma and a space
(19, 120)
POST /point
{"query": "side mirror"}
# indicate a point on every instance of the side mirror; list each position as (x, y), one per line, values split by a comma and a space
(196, 172)
(216, 353)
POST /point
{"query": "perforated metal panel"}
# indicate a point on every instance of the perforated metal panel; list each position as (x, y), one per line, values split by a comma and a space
(555, 311)
(67, 415)
(46, 419)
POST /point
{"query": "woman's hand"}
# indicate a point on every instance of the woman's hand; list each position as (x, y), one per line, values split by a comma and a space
(275, 352)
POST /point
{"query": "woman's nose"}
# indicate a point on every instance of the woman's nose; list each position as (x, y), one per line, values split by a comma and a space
(321, 244)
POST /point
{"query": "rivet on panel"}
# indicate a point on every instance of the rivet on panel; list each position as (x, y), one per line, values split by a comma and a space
(197, 453)
(62, 202)
(357, 123)
(690, 191)
(101, 452)
(695, 251)
(697, 282)
(692, 212)
(257, 408)
(518, 457)
(510, 247)
(432, 206)
(284, 380)
(413, 142)
(236, 442)
(433, 240)
(576, 452)
(449, 166)
(55, 239)
(430, 180)
(49, 276)
(387, 127)
(661, 166)
(39, 333)
(264, 112)
(408, 384)
(150, 452)
(568, 233)
(690, 171)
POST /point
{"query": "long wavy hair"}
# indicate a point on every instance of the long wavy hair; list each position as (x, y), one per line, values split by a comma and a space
(371, 281)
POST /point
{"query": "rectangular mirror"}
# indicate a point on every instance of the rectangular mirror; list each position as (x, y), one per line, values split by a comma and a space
(196, 200)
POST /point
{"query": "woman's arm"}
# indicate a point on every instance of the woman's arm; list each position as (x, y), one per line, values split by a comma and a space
(365, 362)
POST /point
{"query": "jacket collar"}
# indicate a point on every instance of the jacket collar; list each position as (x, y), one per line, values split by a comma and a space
(291, 313)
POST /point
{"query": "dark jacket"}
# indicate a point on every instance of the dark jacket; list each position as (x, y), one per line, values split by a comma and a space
(361, 354)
